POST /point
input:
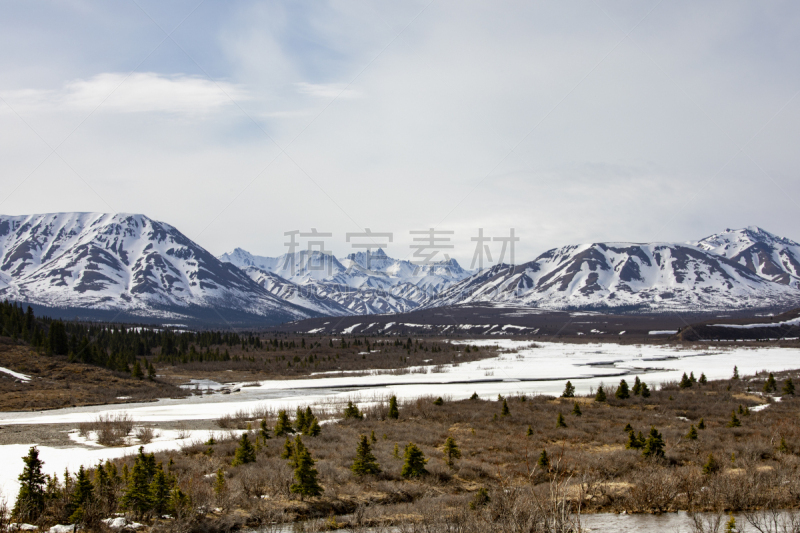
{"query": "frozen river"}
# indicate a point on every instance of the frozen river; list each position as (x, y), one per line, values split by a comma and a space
(539, 369)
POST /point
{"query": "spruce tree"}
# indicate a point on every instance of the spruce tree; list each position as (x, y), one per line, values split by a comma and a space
(31, 496)
(104, 486)
(352, 411)
(82, 493)
(160, 491)
(560, 423)
(601, 394)
(137, 494)
(645, 390)
(628, 428)
(283, 426)
(692, 434)
(701, 424)
(734, 422)
(692, 379)
(634, 443)
(770, 385)
(393, 413)
(637, 387)
(219, 483)
(137, 373)
(288, 452)
(703, 379)
(544, 460)
(438, 401)
(365, 462)
(735, 372)
(711, 466)
(414, 465)
(685, 382)
(451, 451)
(313, 429)
(654, 445)
(245, 453)
(576, 410)
(263, 432)
(730, 525)
(788, 387)
(623, 392)
(474, 396)
(504, 411)
(569, 390)
(530, 431)
(300, 423)
(305, 475)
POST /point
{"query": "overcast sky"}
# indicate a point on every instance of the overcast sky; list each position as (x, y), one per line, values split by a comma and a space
(571, 122)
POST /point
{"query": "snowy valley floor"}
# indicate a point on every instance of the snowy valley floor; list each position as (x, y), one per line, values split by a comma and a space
(527, 368)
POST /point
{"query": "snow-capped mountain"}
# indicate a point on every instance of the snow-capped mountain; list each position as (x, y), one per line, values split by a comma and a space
(357, 284)
(655, 277)
(769, 256)
(122, 262)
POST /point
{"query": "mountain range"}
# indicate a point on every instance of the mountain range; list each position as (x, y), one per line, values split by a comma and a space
(132, 266)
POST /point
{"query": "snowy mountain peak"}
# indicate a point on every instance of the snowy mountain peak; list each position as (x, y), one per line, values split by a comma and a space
(763, 253)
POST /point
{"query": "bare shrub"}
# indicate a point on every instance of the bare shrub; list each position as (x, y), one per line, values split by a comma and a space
(145, 434)
(111, 429)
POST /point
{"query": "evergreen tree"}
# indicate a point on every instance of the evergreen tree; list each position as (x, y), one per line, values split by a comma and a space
(544, 460)
(137, 494)
(569, 390)
(735, 372)
(654, 445)
(730, 525)
(685, 382)
(81, 494)
(645, 390)
(305, 475)
(31, 496)
(160, 491)
(414, 465)
(788, 387)
(263, 432)
(622, 391)
(560, 423)
(57, 341)
(601, 394)
(576, 410)
(692, 379)
(504, 411)
(104, 486)
(365, 462)
(770, 385)
(637, 387)
(300, 423)
(530, 431)
(351, 411)
(151, 371)
(245, 453)
(634, 443)
(219, 483)
(313, 429)
(282, 425)
(692, 434)
(701, 424)
(474, 396)
(628, 428)
(288, 452)
(179, 503)
(393, 413)
(137, 373)
(711, 466)
(703, 379)
(734, 422)
(451, 451)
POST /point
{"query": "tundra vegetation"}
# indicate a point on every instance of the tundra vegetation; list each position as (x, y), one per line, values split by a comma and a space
(515, 463)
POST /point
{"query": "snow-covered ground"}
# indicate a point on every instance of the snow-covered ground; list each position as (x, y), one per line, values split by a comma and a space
(531, 369)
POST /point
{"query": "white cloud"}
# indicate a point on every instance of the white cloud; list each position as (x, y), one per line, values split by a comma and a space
(328, 91)
(140, 92)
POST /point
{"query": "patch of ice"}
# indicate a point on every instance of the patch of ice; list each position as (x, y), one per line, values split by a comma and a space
(792, 322)
(17, 375)
(663, 332)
